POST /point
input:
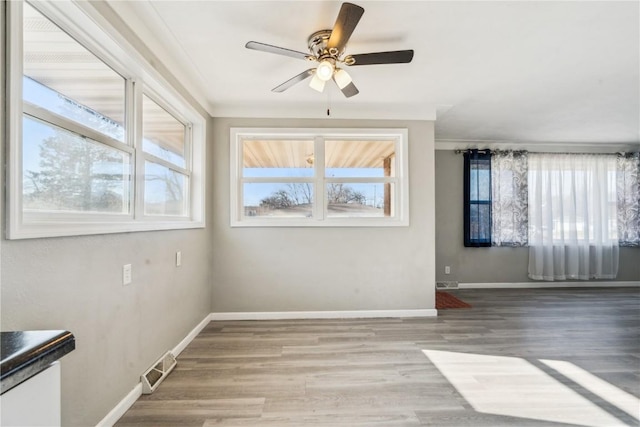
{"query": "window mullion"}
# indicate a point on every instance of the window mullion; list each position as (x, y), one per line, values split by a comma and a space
(320, 198)
(129, 120)
(188, 136)
(134, 131)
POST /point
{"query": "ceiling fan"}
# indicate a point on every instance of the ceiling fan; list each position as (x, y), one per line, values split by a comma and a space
(327, 49)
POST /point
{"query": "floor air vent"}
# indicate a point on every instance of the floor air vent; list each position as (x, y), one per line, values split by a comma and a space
(446, 285)
(157, 373)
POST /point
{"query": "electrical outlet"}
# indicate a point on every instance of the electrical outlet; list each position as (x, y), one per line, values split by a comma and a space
(126, 274)
(447, 269)
(178, 259)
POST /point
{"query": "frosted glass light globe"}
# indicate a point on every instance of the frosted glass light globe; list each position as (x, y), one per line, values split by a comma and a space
(325, 70)
(342, 78)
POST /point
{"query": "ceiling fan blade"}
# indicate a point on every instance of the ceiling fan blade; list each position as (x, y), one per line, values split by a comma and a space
(348, 18)
(394, 57)
(348, 90)
(292, 81)
(275, 49)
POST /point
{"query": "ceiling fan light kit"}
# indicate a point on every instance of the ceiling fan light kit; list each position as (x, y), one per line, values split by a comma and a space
(327, 48)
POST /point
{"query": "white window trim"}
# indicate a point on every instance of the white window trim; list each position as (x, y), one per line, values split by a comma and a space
(320, 219)
(103, 41)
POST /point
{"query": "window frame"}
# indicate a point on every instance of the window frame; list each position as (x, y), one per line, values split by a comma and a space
(103, 41)
(319, 180)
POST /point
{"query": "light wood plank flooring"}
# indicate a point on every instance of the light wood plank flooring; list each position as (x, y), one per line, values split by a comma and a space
(552, 357)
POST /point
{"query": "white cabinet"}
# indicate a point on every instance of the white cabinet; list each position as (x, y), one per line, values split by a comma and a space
(34, 402)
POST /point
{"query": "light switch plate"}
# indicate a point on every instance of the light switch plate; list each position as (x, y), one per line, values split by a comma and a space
(126, 274)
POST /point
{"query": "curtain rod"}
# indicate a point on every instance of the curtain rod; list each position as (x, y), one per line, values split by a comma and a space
(486, 150)
(483, 151)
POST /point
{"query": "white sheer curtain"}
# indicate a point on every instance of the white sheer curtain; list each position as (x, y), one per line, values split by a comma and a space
(572, 216)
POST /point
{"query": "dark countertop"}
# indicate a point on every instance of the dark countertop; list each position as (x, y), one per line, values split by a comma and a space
(27, 353)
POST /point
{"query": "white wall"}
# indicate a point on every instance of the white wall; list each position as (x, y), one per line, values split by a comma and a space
(325, 269)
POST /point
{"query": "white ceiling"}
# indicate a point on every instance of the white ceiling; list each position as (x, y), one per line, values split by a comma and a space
(543, 71)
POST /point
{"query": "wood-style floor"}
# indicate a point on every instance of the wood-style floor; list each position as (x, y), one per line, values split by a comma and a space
(553, 357)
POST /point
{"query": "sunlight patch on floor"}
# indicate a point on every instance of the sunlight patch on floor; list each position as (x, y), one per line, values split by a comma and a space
(512, 386)
(612, 394)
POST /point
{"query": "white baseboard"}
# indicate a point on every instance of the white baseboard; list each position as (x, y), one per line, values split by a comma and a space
(534, 285)
(190, 336)
(118, 411)
(352, 314)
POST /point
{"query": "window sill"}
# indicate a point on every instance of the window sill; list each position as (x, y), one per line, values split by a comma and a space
(61, 229)
(329, 222)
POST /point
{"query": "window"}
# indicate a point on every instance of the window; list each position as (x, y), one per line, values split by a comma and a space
(96, 143)
(563, 179)
(165, 151)
(477, 198)
(319, 177)
(572, 197)
(358, 184)
(278, 178)
(572, 216)
(68, 172)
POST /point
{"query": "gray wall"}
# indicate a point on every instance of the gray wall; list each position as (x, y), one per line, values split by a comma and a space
(290, 269)
(75, 284)
(485, 265)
